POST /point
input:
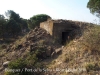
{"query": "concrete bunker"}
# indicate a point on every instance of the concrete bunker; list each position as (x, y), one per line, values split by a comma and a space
(61, 30)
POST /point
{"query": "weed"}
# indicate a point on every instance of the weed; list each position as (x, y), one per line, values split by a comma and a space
(92, 66)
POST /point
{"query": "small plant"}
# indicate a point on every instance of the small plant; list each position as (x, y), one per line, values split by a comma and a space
(92, 66)
(40, 53)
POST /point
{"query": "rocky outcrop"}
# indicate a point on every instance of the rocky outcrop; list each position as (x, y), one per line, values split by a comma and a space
(37, 39)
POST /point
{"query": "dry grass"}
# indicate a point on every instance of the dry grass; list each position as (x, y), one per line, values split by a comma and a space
(82, 52)
(91, 40)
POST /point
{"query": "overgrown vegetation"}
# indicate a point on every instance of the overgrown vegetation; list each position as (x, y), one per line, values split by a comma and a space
(81, 52)
(78, 53)
(91, 39)
(14, 25)
(36, 20)
(94, 6)
(27, 66)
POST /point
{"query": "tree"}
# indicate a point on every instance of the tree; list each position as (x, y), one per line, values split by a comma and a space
(30, 24)
(94, 6)
(2, 26)
(13, 27)
(23, 24)
(2, 17)
(20, 23)
(13, 15)
(37, 19)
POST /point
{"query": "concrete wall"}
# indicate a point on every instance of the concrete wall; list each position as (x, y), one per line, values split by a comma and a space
(56, 27)
(48, 26)
(59, 28)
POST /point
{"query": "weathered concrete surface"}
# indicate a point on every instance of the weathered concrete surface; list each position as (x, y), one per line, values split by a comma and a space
(48, 26)
(56, 27)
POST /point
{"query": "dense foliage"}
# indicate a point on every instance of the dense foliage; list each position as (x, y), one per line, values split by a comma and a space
(2, 26)
(94, 6)
(37, 19)
(14, 24)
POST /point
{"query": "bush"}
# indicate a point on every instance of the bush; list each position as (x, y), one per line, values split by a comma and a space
(20, 65)
(16, 66)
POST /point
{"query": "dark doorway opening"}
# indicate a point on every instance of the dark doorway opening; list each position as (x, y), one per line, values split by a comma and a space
(65, 37)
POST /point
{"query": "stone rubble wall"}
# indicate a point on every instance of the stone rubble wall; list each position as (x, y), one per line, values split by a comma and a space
(56, 27)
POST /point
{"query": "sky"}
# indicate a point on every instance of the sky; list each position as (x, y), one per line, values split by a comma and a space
(58, 9)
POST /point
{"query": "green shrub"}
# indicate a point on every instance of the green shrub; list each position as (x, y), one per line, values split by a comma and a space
(16, 66)
(30, 62)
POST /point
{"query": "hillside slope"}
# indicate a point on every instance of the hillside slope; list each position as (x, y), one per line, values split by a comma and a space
(78, 57)
(37, 42)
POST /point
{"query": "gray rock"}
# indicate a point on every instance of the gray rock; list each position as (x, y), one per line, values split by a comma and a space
(5, 64)
(53, 54)
(58, 51)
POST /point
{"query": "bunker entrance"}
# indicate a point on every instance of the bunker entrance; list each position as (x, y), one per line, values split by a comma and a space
(65, 37)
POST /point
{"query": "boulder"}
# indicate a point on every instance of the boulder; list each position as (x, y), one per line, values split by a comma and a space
(5, 64)
(58, 51)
